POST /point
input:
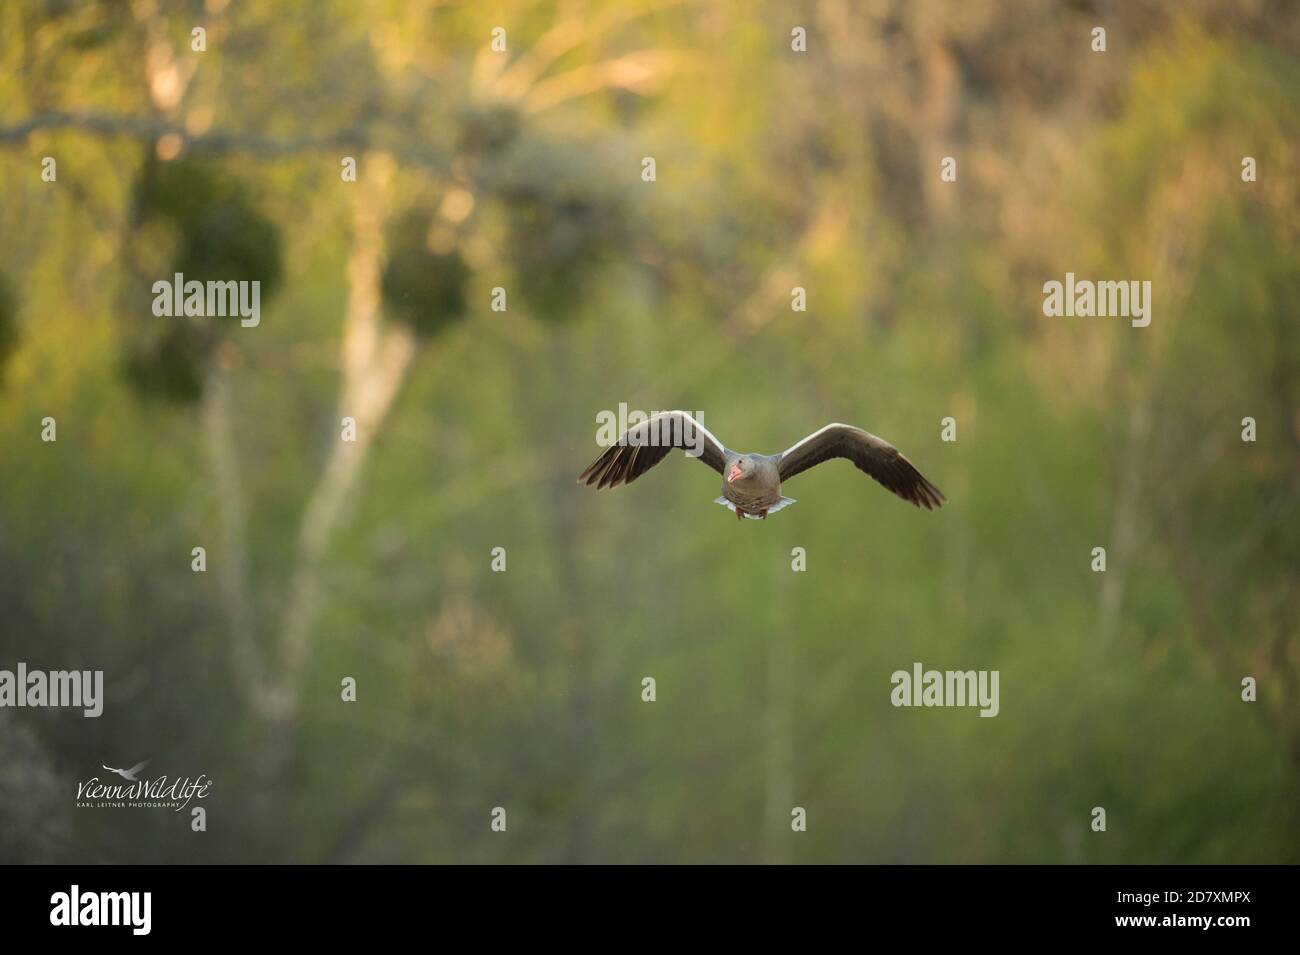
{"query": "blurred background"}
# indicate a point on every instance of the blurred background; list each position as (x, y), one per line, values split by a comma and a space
(522, 169)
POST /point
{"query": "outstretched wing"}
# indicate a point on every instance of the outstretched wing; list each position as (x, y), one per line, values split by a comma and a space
(137, 767)
(876, 456)
(644, 445)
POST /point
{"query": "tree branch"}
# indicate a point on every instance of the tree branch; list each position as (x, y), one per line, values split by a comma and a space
(151, 128)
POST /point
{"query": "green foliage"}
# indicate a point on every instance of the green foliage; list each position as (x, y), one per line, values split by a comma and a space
(567, 215)
(221, 234)
(421, 287)
(488, 131)
(171, 365)
(555, 241)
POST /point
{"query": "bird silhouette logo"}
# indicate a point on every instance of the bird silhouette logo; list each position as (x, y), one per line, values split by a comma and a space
(128, 774)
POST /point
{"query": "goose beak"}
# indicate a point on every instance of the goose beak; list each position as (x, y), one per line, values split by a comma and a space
(733, 473)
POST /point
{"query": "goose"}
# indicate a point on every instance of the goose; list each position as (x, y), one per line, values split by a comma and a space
(751, 483)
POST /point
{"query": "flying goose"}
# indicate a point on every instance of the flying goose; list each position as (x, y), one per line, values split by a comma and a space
(751, 483)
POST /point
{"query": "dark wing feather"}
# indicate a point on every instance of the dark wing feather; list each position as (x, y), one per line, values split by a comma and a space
(644, 445)
(876, 456)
